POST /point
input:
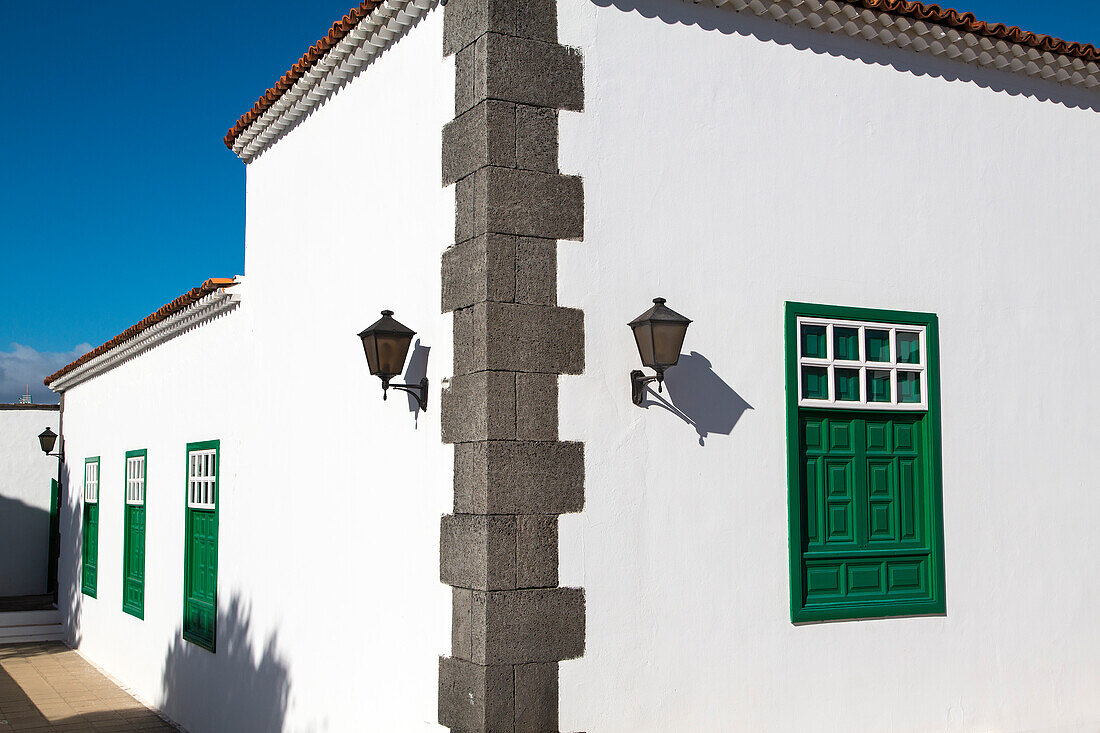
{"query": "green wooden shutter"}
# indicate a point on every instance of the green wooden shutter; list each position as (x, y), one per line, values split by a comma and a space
(133, 552)
(90, 543)
(864, 484)
(200, 606)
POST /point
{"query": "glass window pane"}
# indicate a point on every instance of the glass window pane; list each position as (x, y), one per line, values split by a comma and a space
(846, 383)
(908, 347)
(909, 387)
(878, 345)
(845, 343)
(878, 385)
(815, 383)
(813, 341)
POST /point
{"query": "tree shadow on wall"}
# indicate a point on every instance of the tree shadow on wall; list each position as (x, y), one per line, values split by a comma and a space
(699, 397)
(24, 548)
(239, 688)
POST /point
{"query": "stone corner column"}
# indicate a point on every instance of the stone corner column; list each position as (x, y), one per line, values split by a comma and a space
(511, 622)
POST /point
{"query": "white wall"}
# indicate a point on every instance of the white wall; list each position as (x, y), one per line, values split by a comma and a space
(730, 164)
(25, 474)
(330, 498)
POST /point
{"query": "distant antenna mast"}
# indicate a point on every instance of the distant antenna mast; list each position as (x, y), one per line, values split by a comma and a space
(26, 398)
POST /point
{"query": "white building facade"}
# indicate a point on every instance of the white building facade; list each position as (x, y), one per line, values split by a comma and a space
(26, 499)
(860, 501)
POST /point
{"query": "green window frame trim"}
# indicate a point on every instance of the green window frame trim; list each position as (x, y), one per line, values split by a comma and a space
(133, 537)
(200, 576)
(89, 545)
(866, 606)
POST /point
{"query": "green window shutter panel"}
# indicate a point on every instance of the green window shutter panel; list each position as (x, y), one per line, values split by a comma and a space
(90, 550)
(200, 606)
(864, 496)
(133, 581)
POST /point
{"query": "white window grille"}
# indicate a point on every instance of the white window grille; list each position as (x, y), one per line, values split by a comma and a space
(862, 364)
(135, 480)
(91, 482)
(202, 479)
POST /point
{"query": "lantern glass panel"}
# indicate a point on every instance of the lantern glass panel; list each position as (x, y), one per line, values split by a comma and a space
(667, 340)
(392, 349)
(643, 334)
(370, 348)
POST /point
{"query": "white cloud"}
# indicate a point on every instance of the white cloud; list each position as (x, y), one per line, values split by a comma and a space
(22, 365)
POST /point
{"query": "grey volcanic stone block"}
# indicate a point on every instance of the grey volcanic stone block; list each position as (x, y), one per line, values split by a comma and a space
(477, 551)
(537, 551)
(479, 406)
(536, 131)
(536, 406)
(521, 626)
(479, 269)
(528, 72)
(474, 697)
(465, 20)
(518, 337)
(537, 697)
(504, 477)
(484, 135)
(521, 202)
(536, 271)
(461, 608)
(466, 72)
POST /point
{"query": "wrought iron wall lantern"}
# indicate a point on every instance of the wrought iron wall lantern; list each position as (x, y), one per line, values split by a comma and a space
(386, 343)
(48, 439)
(659, 333)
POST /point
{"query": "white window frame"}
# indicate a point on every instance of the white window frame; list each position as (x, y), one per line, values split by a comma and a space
(91, 482)
(135, 481)
(202, 478)
(830, 363)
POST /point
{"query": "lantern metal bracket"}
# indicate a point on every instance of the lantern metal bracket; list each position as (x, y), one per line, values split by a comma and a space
(638, 381)
(419, 391)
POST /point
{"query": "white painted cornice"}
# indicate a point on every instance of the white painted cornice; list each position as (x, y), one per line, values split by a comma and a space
(201, 311)
(386, 24)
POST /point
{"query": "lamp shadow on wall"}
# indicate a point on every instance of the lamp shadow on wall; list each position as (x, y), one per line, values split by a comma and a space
(235, 689)
(699, 397)
(414, 372)
(731, 22)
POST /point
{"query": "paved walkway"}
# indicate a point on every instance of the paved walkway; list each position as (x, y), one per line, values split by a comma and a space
(46, 686)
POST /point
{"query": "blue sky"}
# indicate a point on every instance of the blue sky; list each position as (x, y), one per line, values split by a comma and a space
(117, 192)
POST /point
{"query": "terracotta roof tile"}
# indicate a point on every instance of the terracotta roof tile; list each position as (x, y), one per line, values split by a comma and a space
(969, 23)
(315, 53)
(191, 296)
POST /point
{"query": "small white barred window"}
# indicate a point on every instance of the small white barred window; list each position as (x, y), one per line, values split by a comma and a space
(202, 477)
(91, 482)
(135, 480)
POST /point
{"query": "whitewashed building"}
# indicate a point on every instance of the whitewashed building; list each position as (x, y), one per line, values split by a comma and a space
(28, 508)
(860, 501)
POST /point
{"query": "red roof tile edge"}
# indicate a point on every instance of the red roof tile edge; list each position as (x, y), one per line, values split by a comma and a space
(191, 296)
(315, 53)
(934, 13)
(969, 23)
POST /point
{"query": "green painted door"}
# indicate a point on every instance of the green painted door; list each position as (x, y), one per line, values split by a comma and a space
(133, 570)
(200, 605)
(90, 554)
(133, 539)
(865, 508)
